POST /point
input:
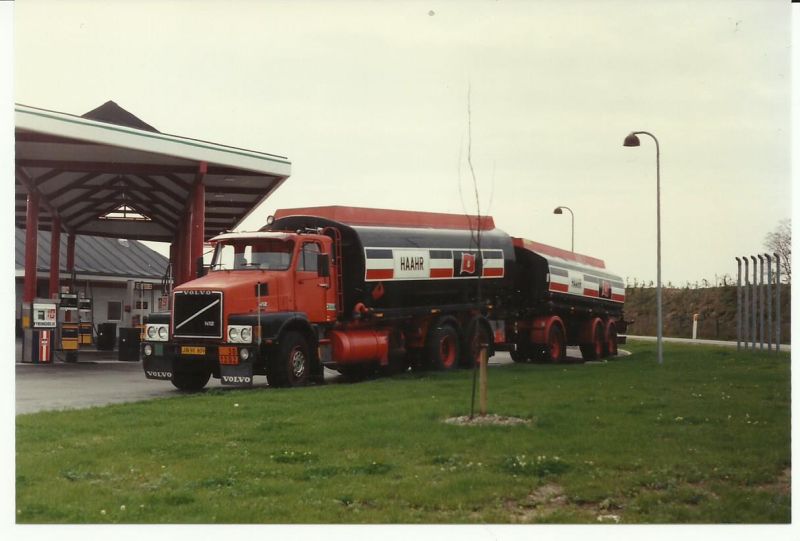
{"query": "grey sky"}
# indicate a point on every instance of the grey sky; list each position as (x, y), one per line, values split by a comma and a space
(369, 102)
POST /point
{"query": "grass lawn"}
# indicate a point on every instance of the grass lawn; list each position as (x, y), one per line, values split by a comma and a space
(705, 438)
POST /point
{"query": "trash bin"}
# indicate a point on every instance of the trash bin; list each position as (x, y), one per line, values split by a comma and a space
(106, 336)
(128, 347)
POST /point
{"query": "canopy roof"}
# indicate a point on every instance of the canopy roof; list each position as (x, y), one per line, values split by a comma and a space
(110, 174)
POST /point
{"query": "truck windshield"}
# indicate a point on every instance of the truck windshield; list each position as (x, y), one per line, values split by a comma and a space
(247, 254)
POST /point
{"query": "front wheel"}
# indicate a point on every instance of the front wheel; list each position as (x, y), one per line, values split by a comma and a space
(190, 381)
(290, 365)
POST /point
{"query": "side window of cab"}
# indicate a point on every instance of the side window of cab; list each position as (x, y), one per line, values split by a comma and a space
(308, 257)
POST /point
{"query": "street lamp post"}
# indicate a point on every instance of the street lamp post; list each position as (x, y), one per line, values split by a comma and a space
(633, 141)
(560, 210)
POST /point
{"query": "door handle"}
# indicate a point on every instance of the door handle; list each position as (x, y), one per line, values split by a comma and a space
(324, 286)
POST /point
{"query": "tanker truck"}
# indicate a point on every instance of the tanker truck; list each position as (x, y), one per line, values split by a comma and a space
(362, 290)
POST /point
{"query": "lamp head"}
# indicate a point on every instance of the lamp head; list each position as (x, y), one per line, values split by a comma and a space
(631, 140)
(558, 211)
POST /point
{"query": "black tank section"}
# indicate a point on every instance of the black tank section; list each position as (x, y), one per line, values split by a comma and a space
(368, 251)
(533, 293)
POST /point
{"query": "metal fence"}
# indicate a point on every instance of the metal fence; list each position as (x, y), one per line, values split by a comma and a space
(754, 303)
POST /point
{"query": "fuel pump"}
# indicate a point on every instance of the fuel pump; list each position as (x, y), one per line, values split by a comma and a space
(38, 340)
(86, 321)
(70, 326)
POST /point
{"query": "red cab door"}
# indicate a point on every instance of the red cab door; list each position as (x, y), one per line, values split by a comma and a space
(312, 292)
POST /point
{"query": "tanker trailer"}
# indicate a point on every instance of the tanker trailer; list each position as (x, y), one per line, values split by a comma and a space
(563, 298)
(351, 289)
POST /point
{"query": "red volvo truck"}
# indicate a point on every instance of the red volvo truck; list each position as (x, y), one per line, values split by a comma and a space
(361, 290)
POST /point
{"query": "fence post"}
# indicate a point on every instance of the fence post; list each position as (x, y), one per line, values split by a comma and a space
(778, 302)
(746, 321)
(769, 302)
(738, 304)
(761, 302)
(755, 301)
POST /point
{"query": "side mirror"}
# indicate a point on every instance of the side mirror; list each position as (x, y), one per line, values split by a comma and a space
(201, 269)
(324, 265)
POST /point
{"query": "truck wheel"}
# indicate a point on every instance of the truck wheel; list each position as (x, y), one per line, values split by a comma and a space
(611, 348)
(190, 381)
(475, 335)
(556, 345)
(518, 356)
(442, 348)
(290, 366)
(594, 351)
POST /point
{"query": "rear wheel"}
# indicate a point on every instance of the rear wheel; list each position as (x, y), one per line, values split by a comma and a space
(611, 345)
(190, 381)
(475, 336)
(596, 348)
(399, 358)
(556, 349)
(518, 355)
(442, 348)
(290, 366)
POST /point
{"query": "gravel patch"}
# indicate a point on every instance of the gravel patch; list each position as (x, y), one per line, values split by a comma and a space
(490, 419)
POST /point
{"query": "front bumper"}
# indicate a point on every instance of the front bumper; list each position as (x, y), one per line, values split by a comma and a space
(223, 362)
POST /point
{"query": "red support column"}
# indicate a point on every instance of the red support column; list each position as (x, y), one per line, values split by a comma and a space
(70, 253)
(186, 245)
(177, 268)
(31, 238)
(198, 219)
(172, 256)
(198, 225)
(55, 257)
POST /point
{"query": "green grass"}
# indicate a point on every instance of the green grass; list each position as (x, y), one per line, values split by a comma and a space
(705, 438)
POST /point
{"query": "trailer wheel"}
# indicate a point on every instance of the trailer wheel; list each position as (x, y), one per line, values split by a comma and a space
(442, 348)
(556, 345)
(594, 350)
(290, 366)
(190, 381)
(611, 348)
(475, 335)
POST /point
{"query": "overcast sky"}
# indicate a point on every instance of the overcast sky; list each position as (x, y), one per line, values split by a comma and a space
(369, 102)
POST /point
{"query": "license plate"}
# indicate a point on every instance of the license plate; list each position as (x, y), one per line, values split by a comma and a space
(193, 350)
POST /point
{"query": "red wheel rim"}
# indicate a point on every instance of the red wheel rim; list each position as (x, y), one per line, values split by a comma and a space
(598, 342)
(555, 347)
(447, 351)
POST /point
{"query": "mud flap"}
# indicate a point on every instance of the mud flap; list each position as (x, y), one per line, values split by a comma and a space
(238, 375)
(157, 367)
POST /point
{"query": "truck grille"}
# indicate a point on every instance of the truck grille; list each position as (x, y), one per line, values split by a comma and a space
(197, 314)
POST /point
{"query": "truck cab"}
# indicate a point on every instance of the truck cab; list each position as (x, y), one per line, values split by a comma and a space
(257, 310)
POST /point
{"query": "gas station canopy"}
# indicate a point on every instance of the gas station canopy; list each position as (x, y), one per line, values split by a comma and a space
(107, 173)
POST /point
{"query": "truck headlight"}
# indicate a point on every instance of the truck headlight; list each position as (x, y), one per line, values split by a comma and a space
(157, 332)
(242, 334)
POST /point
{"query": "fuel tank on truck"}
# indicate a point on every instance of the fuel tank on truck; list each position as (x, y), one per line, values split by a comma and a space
(548, 274)
(403, 259)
